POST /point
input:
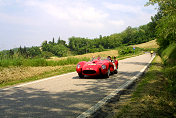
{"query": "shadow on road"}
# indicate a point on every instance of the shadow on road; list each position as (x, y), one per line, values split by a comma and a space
(30, 102)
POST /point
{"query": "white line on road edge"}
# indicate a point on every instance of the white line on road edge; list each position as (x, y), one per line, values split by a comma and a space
(97, 106)
(37, 81)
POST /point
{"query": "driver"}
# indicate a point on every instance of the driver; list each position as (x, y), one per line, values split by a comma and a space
(93, 58)
(116, 61)
(109, 58)
(98, 57)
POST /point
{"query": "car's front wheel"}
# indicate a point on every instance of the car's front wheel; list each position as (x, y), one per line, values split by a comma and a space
(81, 75)
(108, 73)
(115, 71)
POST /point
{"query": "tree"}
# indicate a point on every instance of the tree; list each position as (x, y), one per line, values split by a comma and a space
(53, 40)
(11, 53)
(60, 50)
(33, 52)
(166, 30)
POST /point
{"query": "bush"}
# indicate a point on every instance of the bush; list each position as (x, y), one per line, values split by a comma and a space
(47, 55)
(35, 62)
(124, 50)
(11, 62)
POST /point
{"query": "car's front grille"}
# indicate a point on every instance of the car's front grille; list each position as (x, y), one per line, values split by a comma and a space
(89, 71)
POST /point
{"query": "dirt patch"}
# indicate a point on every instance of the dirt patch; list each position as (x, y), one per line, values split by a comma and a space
(150, 44)
(19, 73)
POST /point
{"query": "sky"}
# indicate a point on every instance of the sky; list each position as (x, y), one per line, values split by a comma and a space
(30, 22)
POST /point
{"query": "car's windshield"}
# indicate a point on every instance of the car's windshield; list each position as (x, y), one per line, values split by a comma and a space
(101, 59)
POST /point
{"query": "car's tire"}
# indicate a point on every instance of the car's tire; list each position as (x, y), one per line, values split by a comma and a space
(108, 73)
(81, 75)
(115, 71)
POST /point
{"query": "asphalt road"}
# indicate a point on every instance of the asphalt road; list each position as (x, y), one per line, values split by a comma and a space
(65, 96)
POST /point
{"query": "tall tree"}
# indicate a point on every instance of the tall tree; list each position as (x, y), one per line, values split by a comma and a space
(166, 30)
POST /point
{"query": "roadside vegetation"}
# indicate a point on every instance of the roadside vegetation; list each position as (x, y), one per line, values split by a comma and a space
(155, 94)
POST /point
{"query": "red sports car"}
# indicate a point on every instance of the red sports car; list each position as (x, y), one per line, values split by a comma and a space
(95, 67)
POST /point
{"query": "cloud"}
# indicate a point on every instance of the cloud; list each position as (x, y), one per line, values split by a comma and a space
(116, 22)
(132, 15)
(68, 10)
(40, 20)
(18, 20)
(123, 8)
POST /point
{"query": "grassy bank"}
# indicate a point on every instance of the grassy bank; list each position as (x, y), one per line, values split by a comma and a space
(168, 54)
(152, 97)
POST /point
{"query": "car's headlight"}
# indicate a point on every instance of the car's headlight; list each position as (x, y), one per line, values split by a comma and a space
(78, 66)
(103, 66)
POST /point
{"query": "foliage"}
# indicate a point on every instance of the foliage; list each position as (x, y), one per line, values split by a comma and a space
(124, 50)
(68, 61)
(129, 36)
(166, 21)
(58, 49)
(46, 54)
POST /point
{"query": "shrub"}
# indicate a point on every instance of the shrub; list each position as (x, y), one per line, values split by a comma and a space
(11, 62)
(47, 55)
(124, 50)
(68, 61)
(34, 62)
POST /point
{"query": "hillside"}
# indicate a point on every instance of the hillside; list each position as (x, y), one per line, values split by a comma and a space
(150, 44)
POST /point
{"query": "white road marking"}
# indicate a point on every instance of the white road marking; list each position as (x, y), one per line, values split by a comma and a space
(97, 106)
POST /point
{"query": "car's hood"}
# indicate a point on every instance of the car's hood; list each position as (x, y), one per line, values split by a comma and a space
(93, 65)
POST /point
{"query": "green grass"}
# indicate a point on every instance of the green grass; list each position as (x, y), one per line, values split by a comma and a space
(68, 61)
(170, 73)
(168, 55)
(39, 62)
(151, 98)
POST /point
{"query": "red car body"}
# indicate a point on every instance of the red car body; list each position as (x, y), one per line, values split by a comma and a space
(97, 67)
